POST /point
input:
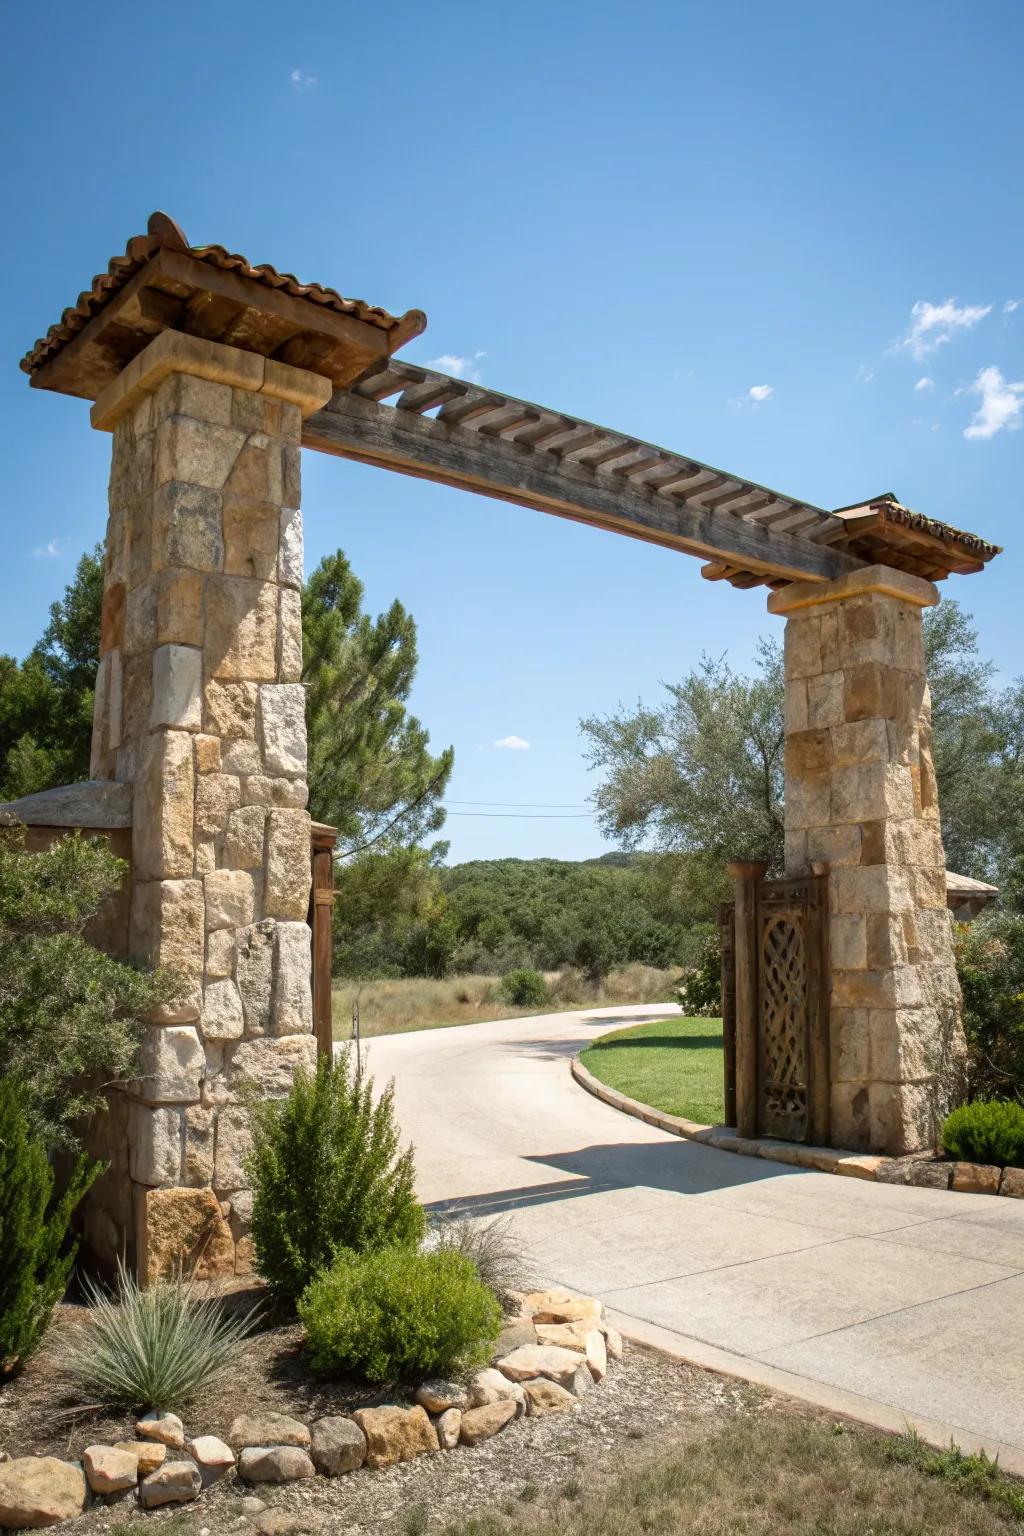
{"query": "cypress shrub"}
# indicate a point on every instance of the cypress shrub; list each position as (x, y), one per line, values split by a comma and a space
(35, 1257)
(327, 1175)
(987, 1131)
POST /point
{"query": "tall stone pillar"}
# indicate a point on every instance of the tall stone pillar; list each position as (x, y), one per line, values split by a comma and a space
(199, 703)
(861, 798)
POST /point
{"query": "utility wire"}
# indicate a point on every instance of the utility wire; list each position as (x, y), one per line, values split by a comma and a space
(526, 805)
(528, 815)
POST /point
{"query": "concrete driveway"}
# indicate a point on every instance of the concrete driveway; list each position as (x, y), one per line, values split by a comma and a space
(894, 1305)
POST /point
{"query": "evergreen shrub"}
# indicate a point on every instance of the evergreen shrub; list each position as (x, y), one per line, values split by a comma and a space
(524, 988)
(987, 1131)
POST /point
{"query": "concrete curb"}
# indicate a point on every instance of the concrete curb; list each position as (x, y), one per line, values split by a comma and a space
(966, 1178)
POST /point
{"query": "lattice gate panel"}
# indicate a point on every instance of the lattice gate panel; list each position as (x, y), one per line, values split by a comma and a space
(783, 1033)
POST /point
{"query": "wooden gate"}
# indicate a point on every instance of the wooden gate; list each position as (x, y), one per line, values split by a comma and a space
(775, 1005)
(321, 900)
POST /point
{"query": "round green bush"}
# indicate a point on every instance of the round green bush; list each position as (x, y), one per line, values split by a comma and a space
(986, 1132)
(524, 988)
(399, 1313)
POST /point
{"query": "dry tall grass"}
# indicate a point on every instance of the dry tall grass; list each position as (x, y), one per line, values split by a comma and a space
(388, 1007)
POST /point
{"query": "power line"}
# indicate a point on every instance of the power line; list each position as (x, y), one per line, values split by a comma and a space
(526, 805)
(528, 815)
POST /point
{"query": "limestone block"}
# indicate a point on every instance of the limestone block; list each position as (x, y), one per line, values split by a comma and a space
(199, 452)
(220, 954)
(208, 754)
(809, 754)
(234, 1140)
(197, 1165)
(395, 1434)
(162, 845)
(154, 1145)
(254, 972)
(848, 941)
(222, 1011)
(270, 1065)
(860, 741)
(886, 936)
(871, 888)
(803, 646)
(927, 888)
(188, 395)
(830, 640)
(230, 709)
(834, 846)
(41, 1490)
(251, 537)
(290, 567)
(903, 1042)
(895, 987)
(808, 802)
(283, 722)
(289, 665)
(825, 700)
(230, 898)
(187, 528)
(256, 472)
(851, 1115)
(241, 1206)
(287, 867)
(870, 791)
(795, 705)
(258, 789)
(177, 698)
(254, 412)
(292, 1012)
(171, 1065)
(167, 923)
(243, 840)
(850, 1043)
(291, 476)
(179, 607)
(241, 756)
(183, 1228)
(241, 629)
(872, 691)
(902, 1117)
(217, 795)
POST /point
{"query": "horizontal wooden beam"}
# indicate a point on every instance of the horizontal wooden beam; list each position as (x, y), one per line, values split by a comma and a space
(353, 427)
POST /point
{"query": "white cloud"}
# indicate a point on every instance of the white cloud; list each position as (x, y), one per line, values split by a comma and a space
(462, 367)
(48, 551)
(301, 81)
(1002, 403)
(931, 325)
(512, 744)
(1011, 305)
(760, 392)
(864, 374)
(925, 383)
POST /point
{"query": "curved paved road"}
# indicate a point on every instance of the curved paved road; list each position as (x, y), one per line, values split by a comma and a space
(866, 1298)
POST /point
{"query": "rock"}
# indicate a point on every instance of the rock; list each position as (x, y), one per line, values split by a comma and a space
(40, 1490)
(212, 1457)
(481, 1423)
(549, 1360)
(438, 1396)
(516, 1333)
(110, 1470)
(150, 1454)
(252, 1506)
(448, 1426)
(490, 1386)
(976, 1178)
(184, 1229)
(176, 1482)
(177, 688)
(582, 1381)
(597, 1354)
(283, 718)
(395, 1434)
(165, 1428)
(267, 1429)
(1012, 1183)
(561, 1306)
(230, 898)
(279, 1522)
(339, 1445)
(545, 1396)
(171, 1065)
(286, 870)
(613, 1342)
(565, 1335)
(274, 1464)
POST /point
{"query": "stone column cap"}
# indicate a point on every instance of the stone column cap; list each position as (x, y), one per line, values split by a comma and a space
(174, 352)
(885, 580)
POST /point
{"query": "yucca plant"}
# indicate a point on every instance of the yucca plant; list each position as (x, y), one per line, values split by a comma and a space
(152, 1348)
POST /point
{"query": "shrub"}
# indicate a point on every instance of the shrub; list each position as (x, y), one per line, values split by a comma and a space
(35, 1258)
(986, 1132)
(326, 1175)
(990, 964)
(152, 1348)
(69, 1015)
(524, 988)
(492, 1247)
(399, 1313)
(699, 990)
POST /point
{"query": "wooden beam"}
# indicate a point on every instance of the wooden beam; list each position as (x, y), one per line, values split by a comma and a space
(359, 429)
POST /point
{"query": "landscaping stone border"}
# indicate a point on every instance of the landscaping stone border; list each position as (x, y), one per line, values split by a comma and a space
(922, 1172)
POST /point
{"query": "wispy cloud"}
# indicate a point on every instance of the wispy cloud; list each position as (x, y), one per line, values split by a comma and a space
(48, 551)
(512, 744)
(923, 384)
(462, 367)
(1002, 403)
(301, 81)
(864, 374)
(756, 395)
(1011, 305)
(932, 325)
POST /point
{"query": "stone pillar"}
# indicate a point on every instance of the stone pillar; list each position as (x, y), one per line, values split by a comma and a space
(861, 798)
(199, 704)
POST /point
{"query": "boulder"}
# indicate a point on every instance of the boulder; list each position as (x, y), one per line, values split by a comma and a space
(280, 1522)
(213, 1458)
(543, 1396)
(490, 1386)
(339, 1445)
(561, 1306)
(448, 1427)
(549, 1360)
(40, 1490)
(110, 1470)
(597, 1354)
(252, 1506)
(165, 1428)
(516, 1332)
(582, 1381)
(176, 1482)
(613, 1342)
(274, 1464)
(150, 1454)
(481, 1423)
(395, 1434)
(267, 1429)
(438, 1396)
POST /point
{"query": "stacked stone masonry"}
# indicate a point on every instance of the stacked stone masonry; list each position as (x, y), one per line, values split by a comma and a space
(200, 704)
(861, 799)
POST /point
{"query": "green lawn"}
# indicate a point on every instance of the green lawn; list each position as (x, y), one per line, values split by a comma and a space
(672, 1064)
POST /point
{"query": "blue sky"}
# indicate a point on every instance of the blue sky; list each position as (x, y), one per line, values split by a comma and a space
(645, 214)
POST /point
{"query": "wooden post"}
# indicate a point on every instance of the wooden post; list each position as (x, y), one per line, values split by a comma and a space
(727, 943)
(322, 841)
(747, 875)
